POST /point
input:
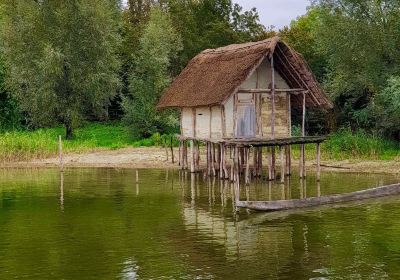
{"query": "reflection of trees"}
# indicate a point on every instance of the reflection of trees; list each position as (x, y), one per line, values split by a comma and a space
(294, 244)
(178, 227)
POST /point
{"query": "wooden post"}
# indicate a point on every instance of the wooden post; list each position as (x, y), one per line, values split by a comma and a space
(288, 160)
(60, 153)
(318, 162)
(226, 173)
(212, 151)
(192, 159)
(303, 133)
(269, 159)
(273, 161)
(180, 154)
(260, 165)
(272, 98)
(197, 163)
(281, 151)
(172, 150)
(208, 167)
(247, 159)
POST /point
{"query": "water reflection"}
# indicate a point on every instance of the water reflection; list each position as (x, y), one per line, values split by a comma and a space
(184, 226)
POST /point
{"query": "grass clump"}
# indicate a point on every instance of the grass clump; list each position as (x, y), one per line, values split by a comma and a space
(345, 144)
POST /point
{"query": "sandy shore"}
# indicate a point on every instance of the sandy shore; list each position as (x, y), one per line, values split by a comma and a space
(156, 158)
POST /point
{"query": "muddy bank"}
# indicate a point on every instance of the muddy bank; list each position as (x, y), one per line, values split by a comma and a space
(156, 158)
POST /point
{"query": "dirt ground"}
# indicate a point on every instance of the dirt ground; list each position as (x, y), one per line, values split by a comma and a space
(156, 158)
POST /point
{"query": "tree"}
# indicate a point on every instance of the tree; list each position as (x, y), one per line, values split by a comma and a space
(10, 117)
(210, 24)
(159, 45)
(387, 108)
(360, 41)
(61, 56)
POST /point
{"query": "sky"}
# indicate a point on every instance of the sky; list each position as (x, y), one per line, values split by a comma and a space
(277, 13)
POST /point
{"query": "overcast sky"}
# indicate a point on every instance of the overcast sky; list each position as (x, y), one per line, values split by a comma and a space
(276, 12)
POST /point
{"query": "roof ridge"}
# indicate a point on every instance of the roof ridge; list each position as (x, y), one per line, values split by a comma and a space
(225, 49)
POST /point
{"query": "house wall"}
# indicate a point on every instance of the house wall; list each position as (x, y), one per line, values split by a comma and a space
(206, 122)
(261, 78)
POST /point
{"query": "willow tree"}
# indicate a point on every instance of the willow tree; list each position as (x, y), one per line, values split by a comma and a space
(61, 57)
(158, 47)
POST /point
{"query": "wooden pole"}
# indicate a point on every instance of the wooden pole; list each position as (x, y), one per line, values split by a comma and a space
(172, 150)
(212, 151)
(60, 153)
(247, 159)
(281, 151)
(272, 98)
(208, 158)
(318, 162)
(269, 159)
(192, 159)
(303, 133)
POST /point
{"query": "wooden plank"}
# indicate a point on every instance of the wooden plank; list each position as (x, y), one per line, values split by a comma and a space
(390, 190)
(318, 162)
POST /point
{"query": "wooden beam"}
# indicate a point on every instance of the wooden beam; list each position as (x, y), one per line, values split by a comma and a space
(267, 90)
(272, 98)
(298, 75)
(318, 162)
(281, 151)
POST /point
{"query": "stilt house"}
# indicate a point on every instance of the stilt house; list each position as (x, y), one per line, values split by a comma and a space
(243, 91)
(241, 97)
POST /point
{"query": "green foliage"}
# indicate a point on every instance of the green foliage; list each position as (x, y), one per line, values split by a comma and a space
(387, 108)
(159, 45)
(61, 58)
(359, 145)
(301, 35)
(10, 117)
(210, 24)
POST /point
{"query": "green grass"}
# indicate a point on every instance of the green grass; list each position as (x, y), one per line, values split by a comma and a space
(345, 145)
(42, 143)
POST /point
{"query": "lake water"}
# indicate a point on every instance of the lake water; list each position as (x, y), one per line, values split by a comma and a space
(101, 224)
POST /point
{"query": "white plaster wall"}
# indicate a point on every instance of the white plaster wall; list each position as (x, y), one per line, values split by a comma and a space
(187, 122)
(216, 122)
(203, 122)
(264, 76)
(229, 117)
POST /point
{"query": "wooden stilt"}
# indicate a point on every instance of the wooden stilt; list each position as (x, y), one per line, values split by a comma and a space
(208, 159)
(247, 159)
(212, 152)
(273, 163)
(192, 158)
(288, 160)
(269, 158)
(301, 162)
(281, 152)
(225, 169)
(318, 162)
(303, 133)
(260, 162)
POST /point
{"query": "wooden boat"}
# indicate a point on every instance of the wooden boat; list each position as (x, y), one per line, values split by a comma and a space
(322, 200)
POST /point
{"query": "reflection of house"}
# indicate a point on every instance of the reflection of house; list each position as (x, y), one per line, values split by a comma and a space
(242, 95)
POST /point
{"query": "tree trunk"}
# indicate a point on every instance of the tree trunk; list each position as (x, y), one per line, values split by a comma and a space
(69, 133)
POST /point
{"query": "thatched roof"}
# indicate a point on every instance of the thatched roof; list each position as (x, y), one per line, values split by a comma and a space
(214, 75)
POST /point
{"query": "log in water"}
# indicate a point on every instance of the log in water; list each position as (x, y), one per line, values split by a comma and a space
(317, 201)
